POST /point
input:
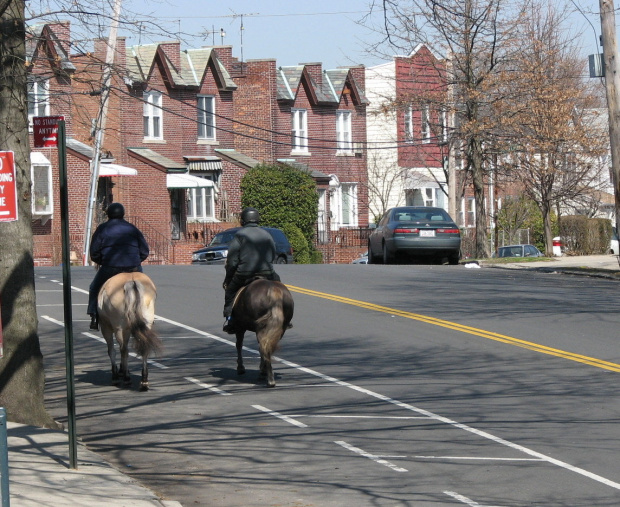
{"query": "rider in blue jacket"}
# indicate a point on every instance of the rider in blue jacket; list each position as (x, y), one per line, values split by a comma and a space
(118, 247)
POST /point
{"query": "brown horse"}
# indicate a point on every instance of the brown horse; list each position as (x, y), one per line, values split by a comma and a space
(126, 306)
(266, 308)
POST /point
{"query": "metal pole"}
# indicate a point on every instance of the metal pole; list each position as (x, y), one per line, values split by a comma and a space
(66, 289)
(103, 113)
(4, 461)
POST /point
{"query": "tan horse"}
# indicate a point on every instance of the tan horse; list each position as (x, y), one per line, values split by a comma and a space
(126, 306)
(265, 307)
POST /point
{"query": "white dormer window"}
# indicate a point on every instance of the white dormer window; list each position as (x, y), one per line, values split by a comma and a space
(206, 117)
(299, 130)
(153, 115)
(343, 132)
(38, 98)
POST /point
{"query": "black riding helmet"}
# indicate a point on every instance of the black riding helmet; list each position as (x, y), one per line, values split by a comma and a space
(249, 216)
(115, 210)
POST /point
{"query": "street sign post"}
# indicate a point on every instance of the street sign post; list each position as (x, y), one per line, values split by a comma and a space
(8, 187)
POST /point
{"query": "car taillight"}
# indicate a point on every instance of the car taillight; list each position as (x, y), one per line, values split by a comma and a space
(447, 231)
(406, 231)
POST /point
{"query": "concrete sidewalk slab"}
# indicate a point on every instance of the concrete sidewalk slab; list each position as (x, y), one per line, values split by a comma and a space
(40, 474)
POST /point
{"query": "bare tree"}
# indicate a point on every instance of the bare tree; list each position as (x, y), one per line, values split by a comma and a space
(549, 121)
(476, 36)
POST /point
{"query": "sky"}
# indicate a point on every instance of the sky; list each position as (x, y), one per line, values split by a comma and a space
(333, 32)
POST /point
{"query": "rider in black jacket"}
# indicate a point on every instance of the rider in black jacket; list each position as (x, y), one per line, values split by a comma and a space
(251, 253)
(118, 247)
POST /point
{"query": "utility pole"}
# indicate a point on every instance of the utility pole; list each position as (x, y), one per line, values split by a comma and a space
(612, 86)
(100, 126)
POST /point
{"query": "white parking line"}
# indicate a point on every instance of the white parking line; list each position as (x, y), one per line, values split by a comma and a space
(207, 386)
(477, 458)
(407, 406)
(373, 457)
(286, 418)
(466, 500)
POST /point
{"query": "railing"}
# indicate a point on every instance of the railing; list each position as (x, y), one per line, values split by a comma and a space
(161, 247)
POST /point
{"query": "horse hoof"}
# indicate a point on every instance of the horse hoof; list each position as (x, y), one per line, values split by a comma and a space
(144, 386)
(271, 384)
(240, 370)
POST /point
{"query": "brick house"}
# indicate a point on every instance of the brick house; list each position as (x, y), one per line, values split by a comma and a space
(180, 135)
(407, 132)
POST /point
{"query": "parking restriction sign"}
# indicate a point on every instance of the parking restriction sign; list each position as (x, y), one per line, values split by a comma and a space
(8, 187)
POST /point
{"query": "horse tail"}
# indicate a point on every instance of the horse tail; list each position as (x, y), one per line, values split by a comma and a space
(272, 322)
(145, 340)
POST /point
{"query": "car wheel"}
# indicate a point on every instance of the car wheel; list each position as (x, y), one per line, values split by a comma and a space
(387, 258)
(281, 260)
(372, 259)
(453, 260)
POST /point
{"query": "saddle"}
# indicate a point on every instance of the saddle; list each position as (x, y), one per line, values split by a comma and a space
(247, 282)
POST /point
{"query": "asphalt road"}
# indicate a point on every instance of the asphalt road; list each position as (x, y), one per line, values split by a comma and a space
(398, 385)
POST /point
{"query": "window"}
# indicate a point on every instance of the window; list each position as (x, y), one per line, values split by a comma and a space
(344, 206)
(343, 132)
(299, 130)
(200, 205)
(206, 117)
(38, 98)
(152, 115)
(471, 211)
(41, 174)
(409, 125)
(426, 124)
(443, 125)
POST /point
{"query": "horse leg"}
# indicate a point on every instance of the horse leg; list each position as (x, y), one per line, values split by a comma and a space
(239, 345)
(266, 370)
(109, 338)
(123, 339)
(144, 382)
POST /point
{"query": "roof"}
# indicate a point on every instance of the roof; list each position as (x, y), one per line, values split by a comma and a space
(334, 84)
(155, 159)
(43, 34)
(190, 73)
(237, 158)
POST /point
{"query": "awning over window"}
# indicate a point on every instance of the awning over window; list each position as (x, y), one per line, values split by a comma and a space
(176, 180)
(116, 170)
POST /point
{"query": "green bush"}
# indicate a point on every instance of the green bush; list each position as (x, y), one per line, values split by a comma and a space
(286, 197)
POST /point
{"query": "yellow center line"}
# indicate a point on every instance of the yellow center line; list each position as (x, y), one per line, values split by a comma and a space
(592, 361)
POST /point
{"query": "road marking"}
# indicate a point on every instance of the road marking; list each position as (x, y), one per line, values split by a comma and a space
(102, 340)
(592, 361)
(207, 386)
(286, 418)
(464, 499)
(474, 458)
(373, 457)
(406, 406)
(319, 416)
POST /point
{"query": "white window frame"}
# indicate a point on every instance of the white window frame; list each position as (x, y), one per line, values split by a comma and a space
(153, 118)
(38, 98)
(200, 205)
(425, 118)
(344, 135)
(206, 117)
(42, 202)
(409, 124)
(344, 206)
(443, 120)
(299, 130)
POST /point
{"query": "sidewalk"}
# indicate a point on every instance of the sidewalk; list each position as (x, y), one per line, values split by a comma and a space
(39, 475)
(604, 266)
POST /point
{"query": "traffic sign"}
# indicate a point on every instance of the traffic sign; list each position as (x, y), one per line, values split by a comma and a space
(8, 187)
(45, 130)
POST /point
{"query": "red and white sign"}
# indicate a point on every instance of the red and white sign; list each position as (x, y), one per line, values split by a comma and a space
(45, 130)
(8, 187)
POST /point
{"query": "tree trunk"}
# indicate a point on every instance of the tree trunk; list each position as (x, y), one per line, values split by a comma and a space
(22, 377)
(477, 172)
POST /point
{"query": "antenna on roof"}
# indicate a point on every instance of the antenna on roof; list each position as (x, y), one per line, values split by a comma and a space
(235, 16)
